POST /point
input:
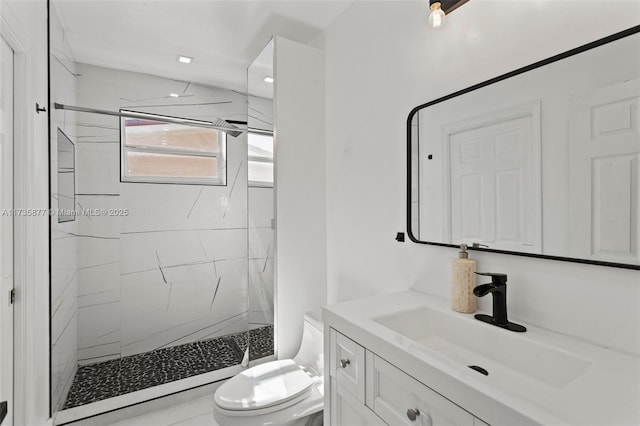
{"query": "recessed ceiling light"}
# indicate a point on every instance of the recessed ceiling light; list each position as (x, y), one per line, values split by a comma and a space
(184, 59)
(268, 79)
(174, 95)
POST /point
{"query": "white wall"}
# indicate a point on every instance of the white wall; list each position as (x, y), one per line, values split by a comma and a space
(64, 239)
(25, 22)
(299, 189)
(382, 59)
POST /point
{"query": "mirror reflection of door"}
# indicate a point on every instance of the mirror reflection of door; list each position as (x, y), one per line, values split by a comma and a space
(6, 232)
(492, 180)
(604, 142)
(583, 168)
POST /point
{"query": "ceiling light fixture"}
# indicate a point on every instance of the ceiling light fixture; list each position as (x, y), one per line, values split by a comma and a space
(174, 95)
(436, 17)
(439, 9)
(184, 59)
(268, 79)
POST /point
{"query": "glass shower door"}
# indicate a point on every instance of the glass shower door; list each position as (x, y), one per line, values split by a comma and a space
(261, 205)
(149, 281)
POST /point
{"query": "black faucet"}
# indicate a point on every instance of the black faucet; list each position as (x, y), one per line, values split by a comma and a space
(498, 288)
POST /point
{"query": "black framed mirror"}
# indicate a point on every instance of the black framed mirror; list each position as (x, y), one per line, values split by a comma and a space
(542, 161)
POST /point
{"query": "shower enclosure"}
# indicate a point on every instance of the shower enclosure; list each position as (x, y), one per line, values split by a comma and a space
(162, 268)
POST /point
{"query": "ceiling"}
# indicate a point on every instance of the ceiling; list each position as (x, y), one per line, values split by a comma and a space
(261, 68)
(223, 36)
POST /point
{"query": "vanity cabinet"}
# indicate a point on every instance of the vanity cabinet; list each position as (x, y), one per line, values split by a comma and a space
(347, 410)
(367, 390)
(347, 364)
(347, 372)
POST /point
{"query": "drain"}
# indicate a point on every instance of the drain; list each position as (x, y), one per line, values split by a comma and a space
(479, 369)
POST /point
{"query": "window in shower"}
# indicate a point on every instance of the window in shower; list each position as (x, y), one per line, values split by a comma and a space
(156, 150)
(260, 158)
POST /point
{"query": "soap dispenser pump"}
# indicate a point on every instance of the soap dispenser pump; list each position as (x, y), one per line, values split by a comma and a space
(463, 281)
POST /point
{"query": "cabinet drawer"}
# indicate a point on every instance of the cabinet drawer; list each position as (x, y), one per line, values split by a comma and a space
(391, 394)
(346, 410)
(346, 364)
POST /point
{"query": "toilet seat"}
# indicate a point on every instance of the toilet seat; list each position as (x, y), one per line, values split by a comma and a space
(291, 403)
(264, 388)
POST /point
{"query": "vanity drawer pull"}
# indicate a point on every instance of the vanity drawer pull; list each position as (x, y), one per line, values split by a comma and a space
(344, 363)
(413, 413)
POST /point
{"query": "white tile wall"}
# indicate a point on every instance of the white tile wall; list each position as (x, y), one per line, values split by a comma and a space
(261, 294)
(99, 331)
(64, 273)
(98, 168)
(148, 279)
(122, 285)
(155, 314)
(95, 288)
(224, 243)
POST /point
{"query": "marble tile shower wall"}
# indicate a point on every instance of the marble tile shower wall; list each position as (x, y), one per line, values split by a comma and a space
(64, 236)
(174, 270)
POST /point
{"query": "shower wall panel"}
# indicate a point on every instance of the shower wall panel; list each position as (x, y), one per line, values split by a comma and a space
(64, 236)
(261, 250)
(173, 268)
(261, 221)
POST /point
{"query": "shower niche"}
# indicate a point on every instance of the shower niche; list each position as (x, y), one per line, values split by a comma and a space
(66, 192)
(156, 287)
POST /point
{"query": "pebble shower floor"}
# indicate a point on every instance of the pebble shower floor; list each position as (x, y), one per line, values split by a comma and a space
(102, 380)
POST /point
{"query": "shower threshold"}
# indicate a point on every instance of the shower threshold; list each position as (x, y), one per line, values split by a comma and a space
(108, 379)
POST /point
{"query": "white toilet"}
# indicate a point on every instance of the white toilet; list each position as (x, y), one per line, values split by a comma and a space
(284, 392)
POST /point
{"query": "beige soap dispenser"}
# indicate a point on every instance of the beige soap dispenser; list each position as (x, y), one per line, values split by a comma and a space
(463, 281)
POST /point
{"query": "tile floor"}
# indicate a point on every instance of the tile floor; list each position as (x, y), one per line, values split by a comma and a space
(99, 381)
(198, 412)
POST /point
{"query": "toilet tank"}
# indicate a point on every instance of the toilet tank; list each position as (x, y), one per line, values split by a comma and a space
(311, 354)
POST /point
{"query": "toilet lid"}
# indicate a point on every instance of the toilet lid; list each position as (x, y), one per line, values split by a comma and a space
(263, 386)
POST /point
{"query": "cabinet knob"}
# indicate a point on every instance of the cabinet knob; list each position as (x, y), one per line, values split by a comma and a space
(344, 363)
(413, 413)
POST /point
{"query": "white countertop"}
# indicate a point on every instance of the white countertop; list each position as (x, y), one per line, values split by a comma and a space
(607, 393)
